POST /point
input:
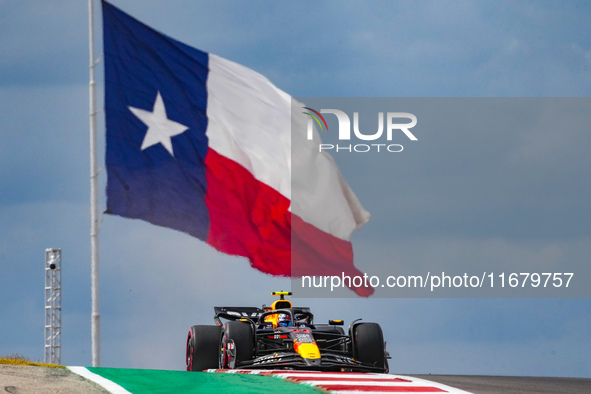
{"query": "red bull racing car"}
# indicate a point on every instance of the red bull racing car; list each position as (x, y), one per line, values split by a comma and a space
(284, 337)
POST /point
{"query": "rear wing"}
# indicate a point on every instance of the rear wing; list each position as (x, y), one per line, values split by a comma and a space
(238, 312)
(242, 312)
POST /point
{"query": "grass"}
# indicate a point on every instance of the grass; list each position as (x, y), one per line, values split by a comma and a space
(17, 359)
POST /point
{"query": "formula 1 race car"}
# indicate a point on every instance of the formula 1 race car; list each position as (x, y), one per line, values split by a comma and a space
(284, 337)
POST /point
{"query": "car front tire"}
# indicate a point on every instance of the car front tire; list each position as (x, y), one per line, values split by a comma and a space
(242, 336)
(368, 344)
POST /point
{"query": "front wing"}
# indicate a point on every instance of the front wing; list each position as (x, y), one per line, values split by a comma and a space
(292, 360)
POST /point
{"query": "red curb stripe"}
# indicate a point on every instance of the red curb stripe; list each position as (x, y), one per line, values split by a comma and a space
(232, 371)
(380, 389)
(345, 379)
(284, 371)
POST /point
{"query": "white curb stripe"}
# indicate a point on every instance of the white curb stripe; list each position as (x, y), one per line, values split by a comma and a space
(108, 385)
(441, 386)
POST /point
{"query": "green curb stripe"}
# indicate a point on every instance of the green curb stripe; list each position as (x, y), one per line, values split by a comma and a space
(157, 381)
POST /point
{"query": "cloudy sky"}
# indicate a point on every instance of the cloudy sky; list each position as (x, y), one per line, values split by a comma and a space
(156, 283)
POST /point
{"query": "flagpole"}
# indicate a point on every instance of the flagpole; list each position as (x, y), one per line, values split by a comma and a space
(94, 242)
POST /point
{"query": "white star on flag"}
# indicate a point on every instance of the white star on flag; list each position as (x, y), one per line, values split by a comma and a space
(160, 128)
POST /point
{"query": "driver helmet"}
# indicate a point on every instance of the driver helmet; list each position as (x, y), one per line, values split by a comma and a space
(284, 320)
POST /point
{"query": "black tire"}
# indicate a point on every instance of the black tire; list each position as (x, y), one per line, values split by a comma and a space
(368, 345)
(242, 335)
(203, 344)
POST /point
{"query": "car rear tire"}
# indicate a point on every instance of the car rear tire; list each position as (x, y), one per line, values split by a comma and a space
(242, 335)
(368, 345)
(203, 344)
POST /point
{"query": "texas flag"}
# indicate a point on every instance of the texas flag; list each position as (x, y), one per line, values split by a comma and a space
(203, 145)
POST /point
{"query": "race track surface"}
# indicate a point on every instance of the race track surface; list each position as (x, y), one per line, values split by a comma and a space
(31, 379)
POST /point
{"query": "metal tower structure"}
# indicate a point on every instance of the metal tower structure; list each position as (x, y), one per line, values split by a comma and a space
(53, 306)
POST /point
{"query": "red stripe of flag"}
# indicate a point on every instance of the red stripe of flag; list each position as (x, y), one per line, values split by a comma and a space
(249, 218)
